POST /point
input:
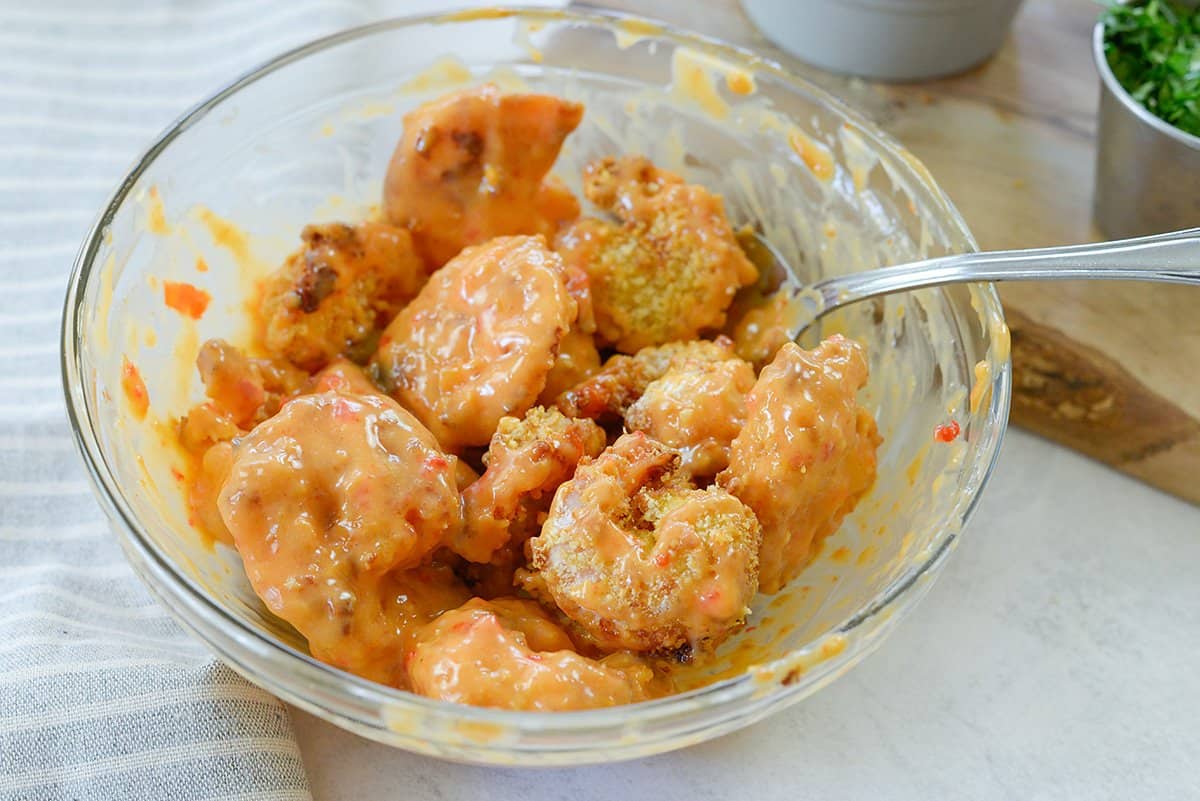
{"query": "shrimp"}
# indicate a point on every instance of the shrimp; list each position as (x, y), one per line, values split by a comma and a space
(641, 560)
(697, 408)
(333, 296)
(669, 270)
(508, 653)
(326, 499)
(344, 376)
(526, 462)
(247, 390)
(382, 628)
(611, 390)
(472, 165)
(806, 453)
(479, 341)
(577, 361)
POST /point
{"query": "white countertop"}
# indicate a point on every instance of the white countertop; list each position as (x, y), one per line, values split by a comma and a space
(1057, 657)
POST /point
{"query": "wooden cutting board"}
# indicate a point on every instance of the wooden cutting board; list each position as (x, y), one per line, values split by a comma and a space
(1110, 369)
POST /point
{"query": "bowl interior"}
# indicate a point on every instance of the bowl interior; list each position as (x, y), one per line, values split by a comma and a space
(221, 201)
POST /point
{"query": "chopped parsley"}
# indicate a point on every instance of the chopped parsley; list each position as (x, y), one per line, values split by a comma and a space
(1153, 48)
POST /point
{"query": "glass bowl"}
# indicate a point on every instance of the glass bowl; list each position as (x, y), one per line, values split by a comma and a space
(222, 194)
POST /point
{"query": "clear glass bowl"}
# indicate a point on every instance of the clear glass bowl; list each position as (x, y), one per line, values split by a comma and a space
(308, 136)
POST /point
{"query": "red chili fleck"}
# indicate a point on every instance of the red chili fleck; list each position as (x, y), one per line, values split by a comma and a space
(662, 559)
(435, 462)
(947, 432)
(175, 474)
(186, 299)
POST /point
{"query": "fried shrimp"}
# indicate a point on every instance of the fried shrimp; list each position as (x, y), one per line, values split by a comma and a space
(333, 296)
(577, 361)
(612, 389)
(328, 498)
(381, 630)
(697, 408)
(342, 375)
(509, 654)
(479, 341)
(806, 454)
(526, 462)
(669, 270)
(245, 390)
(643, 561)
(472, 165)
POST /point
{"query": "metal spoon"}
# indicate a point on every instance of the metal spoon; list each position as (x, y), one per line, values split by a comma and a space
(1172, 258)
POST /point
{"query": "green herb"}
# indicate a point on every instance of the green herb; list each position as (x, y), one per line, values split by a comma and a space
(1153, 48)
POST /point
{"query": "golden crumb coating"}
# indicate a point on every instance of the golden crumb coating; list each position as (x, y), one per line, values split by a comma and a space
(670, 268)
(526, 462)
(640, 559)
(332, 297)
(610, 391)
(697, 408)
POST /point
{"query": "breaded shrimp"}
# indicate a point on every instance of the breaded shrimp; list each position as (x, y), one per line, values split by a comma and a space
(509, 654)
(247, 390)
(346, 377)
(643, 561)
(472, 165)
(526, 462)
(610, 391)
(211, 471)
(577, 361)
(478, 342)
(697, 408)
(336, 294)
(381, 629)
(326, 499)
(806, 454)
(669, 270)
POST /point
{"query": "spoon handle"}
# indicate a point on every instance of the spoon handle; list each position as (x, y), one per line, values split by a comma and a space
(1172, 258)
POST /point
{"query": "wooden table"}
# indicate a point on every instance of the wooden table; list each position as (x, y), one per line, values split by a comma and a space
(1110, 369)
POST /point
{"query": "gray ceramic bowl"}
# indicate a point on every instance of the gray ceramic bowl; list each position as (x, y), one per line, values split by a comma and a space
(889, 40)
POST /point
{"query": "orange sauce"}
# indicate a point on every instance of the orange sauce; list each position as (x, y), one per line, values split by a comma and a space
(816, 157)
(188, 300)
(135, 389)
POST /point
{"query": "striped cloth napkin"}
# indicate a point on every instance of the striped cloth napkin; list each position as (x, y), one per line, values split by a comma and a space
(101, 695)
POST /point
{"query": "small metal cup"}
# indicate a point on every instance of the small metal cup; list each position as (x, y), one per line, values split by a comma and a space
(1147, 170)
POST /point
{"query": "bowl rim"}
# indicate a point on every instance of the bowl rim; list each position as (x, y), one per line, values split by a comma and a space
(1110, 83)
(742, 686)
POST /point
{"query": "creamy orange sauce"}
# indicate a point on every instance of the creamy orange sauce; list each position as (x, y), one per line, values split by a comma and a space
(739, 82)
(444, 73)
(156, 217)
(135, 389)
(380, 460)
(478, 342)
(815, 156)
(187, 299)
(692, 81)
(806, 453)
